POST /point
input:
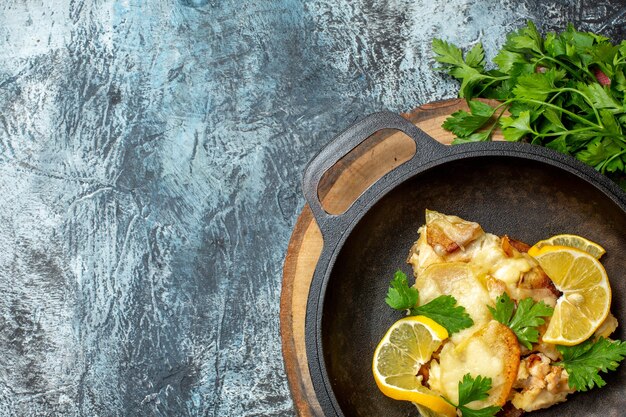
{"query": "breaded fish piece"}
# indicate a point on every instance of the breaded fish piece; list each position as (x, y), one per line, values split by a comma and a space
(444, 239)
(445, 234)
(492, 351)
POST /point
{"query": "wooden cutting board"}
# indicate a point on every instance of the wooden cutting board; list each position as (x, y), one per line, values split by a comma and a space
(338, 189)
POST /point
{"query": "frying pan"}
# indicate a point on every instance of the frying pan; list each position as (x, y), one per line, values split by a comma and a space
(525, 191)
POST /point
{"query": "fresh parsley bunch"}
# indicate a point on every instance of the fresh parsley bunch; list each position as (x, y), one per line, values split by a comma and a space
(564, 91)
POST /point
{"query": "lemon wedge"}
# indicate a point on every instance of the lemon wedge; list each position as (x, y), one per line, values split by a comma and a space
(573, 241)
(408, 344)
(586, 298)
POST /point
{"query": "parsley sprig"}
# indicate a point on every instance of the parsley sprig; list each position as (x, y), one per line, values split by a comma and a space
(474, 389)
(584, 362)
(565, 91)
(442, 309)
(524, 319)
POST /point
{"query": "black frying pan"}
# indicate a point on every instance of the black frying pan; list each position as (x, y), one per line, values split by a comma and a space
(525, 191)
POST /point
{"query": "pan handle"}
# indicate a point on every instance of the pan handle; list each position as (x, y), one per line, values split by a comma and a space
(426, 149)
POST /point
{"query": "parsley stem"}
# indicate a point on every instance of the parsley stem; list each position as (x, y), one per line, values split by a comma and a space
(559, 108)
(567, 67)
(496, 123)
(564, 132)
(559, 98)
(619, 61)
(573, 90)
(494, 79)
(605, 163)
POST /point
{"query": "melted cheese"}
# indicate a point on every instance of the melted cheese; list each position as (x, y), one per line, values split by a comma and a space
(490, 258)
(458, 280)
(491, 352)
(489, 262)
(474, 358)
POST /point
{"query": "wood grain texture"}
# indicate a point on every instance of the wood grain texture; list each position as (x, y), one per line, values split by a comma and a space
(352, 175)
(150, 160)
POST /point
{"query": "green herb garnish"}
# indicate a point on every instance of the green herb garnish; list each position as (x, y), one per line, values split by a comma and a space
(584, 362)
(524, 319)
(442, 309)
(400, 296)
(474, 389)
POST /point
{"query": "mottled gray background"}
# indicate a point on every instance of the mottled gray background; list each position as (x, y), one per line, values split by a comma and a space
(150, 159)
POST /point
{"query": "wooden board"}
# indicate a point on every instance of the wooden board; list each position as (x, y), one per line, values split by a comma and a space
(338, 189)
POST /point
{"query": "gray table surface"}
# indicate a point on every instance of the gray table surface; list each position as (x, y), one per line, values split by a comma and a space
(150, 159)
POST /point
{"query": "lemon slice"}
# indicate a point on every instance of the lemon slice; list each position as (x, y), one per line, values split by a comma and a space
(573, 241)
(408, 344)
(586, 298)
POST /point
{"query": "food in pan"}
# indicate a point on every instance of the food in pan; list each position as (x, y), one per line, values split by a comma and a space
(494, 326)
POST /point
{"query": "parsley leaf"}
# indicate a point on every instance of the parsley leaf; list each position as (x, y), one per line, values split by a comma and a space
(464, 124)
(474, 137)
(475, 58)
(600, 97)
(447, 53)
(584, 362)
(515, 128)
(400, 296)
(442, 309)
(478, 108)
(534, 86)
(525, 320)
(469, 71)
(507, 59)
(504, 309)
(474, 389)
(527, 38)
